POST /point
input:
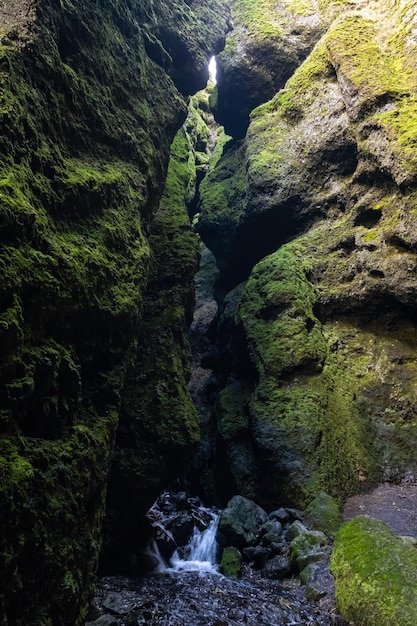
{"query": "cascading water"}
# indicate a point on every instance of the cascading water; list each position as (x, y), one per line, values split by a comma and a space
(201, 551)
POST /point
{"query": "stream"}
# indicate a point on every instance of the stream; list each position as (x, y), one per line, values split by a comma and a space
(188, 588)
(185, 586)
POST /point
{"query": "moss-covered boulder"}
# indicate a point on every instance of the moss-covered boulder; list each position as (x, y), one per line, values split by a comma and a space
(231, 562)
(308, 547)
(375, 574)
(323, 513)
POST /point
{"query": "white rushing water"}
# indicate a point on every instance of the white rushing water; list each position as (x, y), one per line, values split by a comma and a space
(201, 552)
(212, 67)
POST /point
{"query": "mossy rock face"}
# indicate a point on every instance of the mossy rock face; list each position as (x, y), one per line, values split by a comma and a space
(268, 41)
(323, 236)
(92, 95)
(375, 575)
(160, 409)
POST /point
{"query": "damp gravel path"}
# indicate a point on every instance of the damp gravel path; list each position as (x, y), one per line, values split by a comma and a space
(395, 505)
(209, 599)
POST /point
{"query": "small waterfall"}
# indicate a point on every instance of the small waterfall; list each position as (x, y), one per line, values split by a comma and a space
(201, 552)
(153, 556)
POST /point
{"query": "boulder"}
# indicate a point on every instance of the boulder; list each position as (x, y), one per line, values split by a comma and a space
(231, 562)
(271, 532)
(324, 514)
(276, 568)
(375, 575)
(240, 523)
(280, 515)
(318, 580)
(296, 529)
(257, 555)
(307, 547)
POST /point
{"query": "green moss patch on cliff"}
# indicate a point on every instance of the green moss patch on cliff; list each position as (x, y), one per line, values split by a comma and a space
(260, 19)
(307, 427)
(375, 574)
(159, 409)
(222, 195)
(64, 480)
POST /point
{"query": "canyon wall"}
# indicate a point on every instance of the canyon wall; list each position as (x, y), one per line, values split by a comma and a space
(309, 211)
(96, 285)
(311, 215)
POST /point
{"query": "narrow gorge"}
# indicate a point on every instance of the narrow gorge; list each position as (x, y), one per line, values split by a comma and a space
(274, 214)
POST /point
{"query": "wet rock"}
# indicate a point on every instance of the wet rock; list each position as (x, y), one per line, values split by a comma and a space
(313, 556)
(231, 563)
(318, 580)
(202, 600)
(294, 514)
(306, 546)
(295, 530)
(257, 555)
(240, 523)
(280, 515)
(104, 620)
(276, 568)
(180, 500)
(181, 528)
(271, 532)
(120, 603)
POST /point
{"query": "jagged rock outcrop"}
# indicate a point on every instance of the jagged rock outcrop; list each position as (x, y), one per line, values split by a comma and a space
(268, 42)
(95, 295)
(314, 210)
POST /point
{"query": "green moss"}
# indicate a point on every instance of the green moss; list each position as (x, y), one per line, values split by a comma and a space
(375, 574)
(40, 482)
(400, 126)
(282, 300)
(160, 408)
(274, 148)
(300, 90)
(259, 18)
(233, 416)
(306, 542)
(352, 42)
(370, 235)
(231, 563)
(323, 513)
(222, 195)
(302, 8)
(326, 6)
(303, 409)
